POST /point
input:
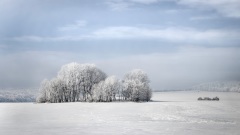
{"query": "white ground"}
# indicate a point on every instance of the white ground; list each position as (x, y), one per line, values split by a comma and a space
(170, 113)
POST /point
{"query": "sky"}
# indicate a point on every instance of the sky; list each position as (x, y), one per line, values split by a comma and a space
(178, 43)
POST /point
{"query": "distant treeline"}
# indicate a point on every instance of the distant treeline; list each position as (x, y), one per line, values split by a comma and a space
(170, 90)
(18, 95)
(233, 86)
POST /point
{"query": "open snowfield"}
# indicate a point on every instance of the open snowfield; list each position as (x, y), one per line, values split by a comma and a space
(170, 113)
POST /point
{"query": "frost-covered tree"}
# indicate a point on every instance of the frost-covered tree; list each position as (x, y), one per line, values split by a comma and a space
(73, 83)
(107, 90)
(57, 90)
(98, 92)
(43, 91)
(136, 86)
(69, 74)
(112, 88)
(89, 76)
(86, 82)
(51, 91)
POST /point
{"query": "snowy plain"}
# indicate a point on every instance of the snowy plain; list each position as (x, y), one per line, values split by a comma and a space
(171, 113)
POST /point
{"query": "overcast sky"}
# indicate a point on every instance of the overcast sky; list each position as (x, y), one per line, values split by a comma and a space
(179, 43)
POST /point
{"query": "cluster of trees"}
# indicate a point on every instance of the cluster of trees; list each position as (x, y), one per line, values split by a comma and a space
(87, 83)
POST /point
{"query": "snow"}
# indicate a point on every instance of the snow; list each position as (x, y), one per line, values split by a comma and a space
(169, 113)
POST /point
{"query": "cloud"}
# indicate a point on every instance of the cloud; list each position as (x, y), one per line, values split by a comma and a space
(2, 46)
(171, 34)
(77, 25)
(118, 5)
(182, 69)
(227, 8)
(31, 38)
(9, 4)
(126, 4)
(28, 68)
(47, 39)
(172, 11)
(146, 1)
(188, 66)
(197, 18)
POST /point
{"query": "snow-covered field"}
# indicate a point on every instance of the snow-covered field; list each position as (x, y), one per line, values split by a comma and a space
(170, 113)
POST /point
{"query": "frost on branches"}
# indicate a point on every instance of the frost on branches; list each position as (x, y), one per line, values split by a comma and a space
(136, 86)
(86, 83)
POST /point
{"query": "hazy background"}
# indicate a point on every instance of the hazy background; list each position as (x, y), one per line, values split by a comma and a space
(179, 43)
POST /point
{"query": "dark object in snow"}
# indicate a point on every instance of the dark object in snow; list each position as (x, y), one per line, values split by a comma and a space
(207, 98)
(216, 98)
